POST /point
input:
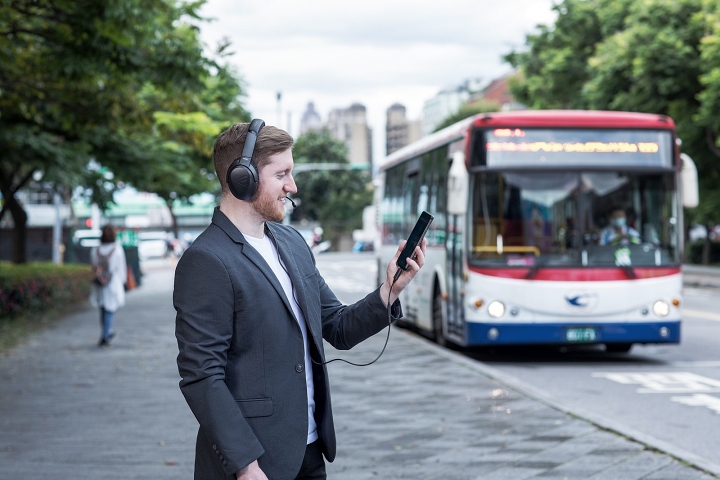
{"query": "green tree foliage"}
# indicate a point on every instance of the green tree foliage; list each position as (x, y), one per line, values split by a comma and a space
(183, 135)
(336, 198)
(655, 56)
(123, 83)
(468, 110)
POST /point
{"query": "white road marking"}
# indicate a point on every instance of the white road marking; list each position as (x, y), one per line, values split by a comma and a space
(701, 314)
(700, 400)
(664, 382)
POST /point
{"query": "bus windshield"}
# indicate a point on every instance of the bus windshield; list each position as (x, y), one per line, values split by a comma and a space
(573, 219)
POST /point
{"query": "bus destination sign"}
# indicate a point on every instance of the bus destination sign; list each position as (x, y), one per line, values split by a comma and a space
(507, 147)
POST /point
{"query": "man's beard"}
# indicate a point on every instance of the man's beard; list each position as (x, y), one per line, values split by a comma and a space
(270, 209)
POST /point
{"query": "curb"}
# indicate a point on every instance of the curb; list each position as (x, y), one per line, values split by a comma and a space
(547, 399)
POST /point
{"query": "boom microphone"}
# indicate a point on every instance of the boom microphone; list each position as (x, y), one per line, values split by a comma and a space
(291, 201)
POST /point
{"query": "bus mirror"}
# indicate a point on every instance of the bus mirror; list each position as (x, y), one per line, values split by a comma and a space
(457, 185)
(689, 182)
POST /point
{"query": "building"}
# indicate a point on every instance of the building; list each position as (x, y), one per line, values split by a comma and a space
(497, 92)
(310, 120)
(447, 102)
(399, 131)
(349, 125)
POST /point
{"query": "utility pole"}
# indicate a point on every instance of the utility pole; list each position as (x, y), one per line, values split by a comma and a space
(279, 109)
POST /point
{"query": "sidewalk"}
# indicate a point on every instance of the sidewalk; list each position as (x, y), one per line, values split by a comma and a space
(71, 410)
(701, 276)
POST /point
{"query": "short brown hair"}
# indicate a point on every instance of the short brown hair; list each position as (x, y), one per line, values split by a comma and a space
(229, 145)
(108, 234)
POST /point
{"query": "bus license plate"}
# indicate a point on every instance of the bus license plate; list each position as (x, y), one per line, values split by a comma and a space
(580, 335)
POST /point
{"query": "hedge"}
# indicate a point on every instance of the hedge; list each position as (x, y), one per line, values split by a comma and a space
(35, 287)
(694, 252)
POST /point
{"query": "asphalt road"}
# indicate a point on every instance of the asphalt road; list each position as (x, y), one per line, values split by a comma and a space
(667, 395)
(667, 392)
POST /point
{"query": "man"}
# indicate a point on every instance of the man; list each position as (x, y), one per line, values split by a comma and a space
(618, 232)
(252, 311)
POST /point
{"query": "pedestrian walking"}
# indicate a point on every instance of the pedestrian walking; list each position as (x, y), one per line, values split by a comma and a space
(252, 312)
(109, 277)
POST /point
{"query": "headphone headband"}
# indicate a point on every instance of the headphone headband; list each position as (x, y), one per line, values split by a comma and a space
(253, 130)
(242, 175)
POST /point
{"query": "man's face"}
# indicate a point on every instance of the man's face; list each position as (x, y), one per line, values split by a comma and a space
(617, 218)
(276, 181)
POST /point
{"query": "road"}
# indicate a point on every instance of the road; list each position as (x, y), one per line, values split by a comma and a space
(669, 395)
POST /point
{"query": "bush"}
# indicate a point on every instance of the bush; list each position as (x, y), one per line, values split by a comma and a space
(35, 287)
(694, 252)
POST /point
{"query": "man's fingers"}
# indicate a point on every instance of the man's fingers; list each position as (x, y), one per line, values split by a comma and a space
(399, 251)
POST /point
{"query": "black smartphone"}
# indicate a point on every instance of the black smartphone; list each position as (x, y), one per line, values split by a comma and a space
(418, 232)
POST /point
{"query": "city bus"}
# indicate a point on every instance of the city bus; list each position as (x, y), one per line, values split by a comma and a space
(551, 227)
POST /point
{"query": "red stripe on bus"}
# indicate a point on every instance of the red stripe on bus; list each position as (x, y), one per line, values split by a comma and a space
(577, 274)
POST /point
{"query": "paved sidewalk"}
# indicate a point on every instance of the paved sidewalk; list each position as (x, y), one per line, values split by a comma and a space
(70, 410)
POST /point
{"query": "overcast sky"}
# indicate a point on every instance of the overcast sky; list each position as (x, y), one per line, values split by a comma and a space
(335, 53)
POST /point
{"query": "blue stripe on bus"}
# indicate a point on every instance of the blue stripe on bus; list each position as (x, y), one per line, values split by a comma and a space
(555, 333)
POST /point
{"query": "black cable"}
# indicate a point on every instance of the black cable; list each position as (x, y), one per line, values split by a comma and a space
(389, 315)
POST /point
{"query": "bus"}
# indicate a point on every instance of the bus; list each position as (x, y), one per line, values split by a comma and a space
(551, 227)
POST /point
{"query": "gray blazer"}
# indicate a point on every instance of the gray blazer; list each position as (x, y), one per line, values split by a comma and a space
(241, 354)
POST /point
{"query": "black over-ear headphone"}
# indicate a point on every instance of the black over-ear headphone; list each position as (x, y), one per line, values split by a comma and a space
(242, 175)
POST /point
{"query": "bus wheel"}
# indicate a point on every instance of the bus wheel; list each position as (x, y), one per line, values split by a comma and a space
(618, 347)
(438, 318)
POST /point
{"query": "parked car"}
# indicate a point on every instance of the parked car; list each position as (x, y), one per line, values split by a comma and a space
(152, 245)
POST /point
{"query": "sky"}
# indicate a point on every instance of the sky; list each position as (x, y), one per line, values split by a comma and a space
(335, 53)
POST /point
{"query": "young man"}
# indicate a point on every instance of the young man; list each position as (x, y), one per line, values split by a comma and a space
(252, 311)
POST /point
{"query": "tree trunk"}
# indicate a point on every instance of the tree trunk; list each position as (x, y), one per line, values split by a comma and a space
(19, 242)
(174, 219)
(706, 246)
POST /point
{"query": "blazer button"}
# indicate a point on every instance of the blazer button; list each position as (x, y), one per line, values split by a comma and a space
(215, 447)
(224, 464)
(299, 368)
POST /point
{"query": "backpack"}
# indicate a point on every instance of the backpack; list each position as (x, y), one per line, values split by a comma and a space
(101, 274)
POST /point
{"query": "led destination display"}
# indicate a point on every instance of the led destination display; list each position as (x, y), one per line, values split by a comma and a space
(568, 147)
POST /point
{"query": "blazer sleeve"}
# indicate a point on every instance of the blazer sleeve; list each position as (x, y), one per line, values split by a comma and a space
(344, 326)
(204, 300)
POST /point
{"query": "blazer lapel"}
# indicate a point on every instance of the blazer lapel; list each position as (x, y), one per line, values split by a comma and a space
(251, 254)
(285, 249)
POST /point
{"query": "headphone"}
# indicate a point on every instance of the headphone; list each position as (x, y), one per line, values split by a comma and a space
(242, 175)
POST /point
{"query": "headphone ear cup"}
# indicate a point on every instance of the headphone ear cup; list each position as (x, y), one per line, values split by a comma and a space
(242, 180)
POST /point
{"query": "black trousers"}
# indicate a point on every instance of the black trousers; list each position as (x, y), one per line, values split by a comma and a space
(313, 466)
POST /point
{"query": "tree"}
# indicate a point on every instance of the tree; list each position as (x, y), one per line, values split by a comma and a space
(468, 110)
(182, 137)
(70, 73)
(333, 197)
(655, 56)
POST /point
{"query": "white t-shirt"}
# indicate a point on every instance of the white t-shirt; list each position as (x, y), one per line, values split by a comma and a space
(266, 248)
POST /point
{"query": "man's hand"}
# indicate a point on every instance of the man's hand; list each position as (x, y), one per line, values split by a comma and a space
(414, 266)
(251, 472)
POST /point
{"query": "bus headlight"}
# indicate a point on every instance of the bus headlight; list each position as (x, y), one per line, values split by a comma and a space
(661, 308)
(496, 309)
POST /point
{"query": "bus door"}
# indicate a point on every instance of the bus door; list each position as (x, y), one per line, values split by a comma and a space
(455, 274)
(455, 277)
(411, 191)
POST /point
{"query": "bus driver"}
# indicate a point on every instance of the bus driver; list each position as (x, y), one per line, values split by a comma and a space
(618, 232)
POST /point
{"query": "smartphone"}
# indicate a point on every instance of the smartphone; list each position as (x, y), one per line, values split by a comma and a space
(418, 232)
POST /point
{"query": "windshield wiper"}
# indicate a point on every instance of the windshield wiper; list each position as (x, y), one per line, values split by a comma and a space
(629, 271)
(535, 268)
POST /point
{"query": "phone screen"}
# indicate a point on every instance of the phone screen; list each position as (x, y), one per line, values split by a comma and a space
(414, 239)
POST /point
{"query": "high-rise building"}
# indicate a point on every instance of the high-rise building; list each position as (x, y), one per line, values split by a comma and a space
(398, 130)
(349, 125)
(447, 102)
(310, 120)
